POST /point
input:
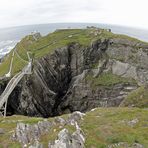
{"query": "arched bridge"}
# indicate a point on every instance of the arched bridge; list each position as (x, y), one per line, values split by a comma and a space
(12, 84)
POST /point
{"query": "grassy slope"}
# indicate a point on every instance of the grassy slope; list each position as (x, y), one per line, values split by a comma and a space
(138, 98)
(108, 126)
(4, 67)
(102, 127)
(55, 40)
(108, 80)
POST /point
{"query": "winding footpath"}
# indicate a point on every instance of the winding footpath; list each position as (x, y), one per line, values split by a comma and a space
(10, 69)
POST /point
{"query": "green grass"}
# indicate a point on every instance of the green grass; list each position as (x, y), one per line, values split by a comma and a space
(4, 67)
(107, 80)
(60, 39)
(102, 127)
(137, 98)
(17, 65)
(111, 35)
(105, 126)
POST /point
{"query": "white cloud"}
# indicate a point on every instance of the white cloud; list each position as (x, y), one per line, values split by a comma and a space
(122, 12)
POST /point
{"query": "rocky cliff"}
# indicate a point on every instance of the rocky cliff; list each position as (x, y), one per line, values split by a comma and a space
(76, 77)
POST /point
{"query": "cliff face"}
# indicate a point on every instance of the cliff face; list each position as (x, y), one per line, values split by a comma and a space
(81, 78)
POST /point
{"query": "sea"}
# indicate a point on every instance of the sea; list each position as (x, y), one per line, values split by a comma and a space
(9, 37)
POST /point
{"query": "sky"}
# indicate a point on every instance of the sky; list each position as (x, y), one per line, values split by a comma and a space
(133, 13)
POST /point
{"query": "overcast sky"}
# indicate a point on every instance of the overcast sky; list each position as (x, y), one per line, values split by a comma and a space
(122, 12)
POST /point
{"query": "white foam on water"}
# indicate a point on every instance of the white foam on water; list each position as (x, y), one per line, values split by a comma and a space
(7, 46)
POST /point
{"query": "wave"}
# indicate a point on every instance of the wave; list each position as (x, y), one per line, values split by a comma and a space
(7, 46)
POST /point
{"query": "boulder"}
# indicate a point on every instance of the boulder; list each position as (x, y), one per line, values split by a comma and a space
(67, 140)
(2, 131)
(75, 116)
(133, 122)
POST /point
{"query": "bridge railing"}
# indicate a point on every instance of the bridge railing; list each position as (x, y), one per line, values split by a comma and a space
(9, 88)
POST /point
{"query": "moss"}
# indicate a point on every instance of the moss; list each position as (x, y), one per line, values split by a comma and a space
(137, 98)
(119, 58)
(95, 65)
(133, 58)
(1, 82)
(107, 79)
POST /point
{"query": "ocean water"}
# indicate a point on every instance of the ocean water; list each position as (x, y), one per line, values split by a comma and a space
(10, 36)
(6, 46)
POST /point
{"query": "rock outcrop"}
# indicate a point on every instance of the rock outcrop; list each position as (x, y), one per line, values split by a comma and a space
(67, 140)
(124, 144)
(29, 135)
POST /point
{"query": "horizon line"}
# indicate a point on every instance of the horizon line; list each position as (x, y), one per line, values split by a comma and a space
(93, 23)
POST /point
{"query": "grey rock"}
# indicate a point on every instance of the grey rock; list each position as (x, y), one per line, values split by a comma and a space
(129, 71)
(137, 145)
(30, 134)
(124, 69)
(36, 35)
(67, 140)
(133, 122)
(36, 145)
(125, 145)
(75, 117)
(120, 144)
(63, 141)
(78, 139)
(59, 120)
(26, 133)
(2, 131)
